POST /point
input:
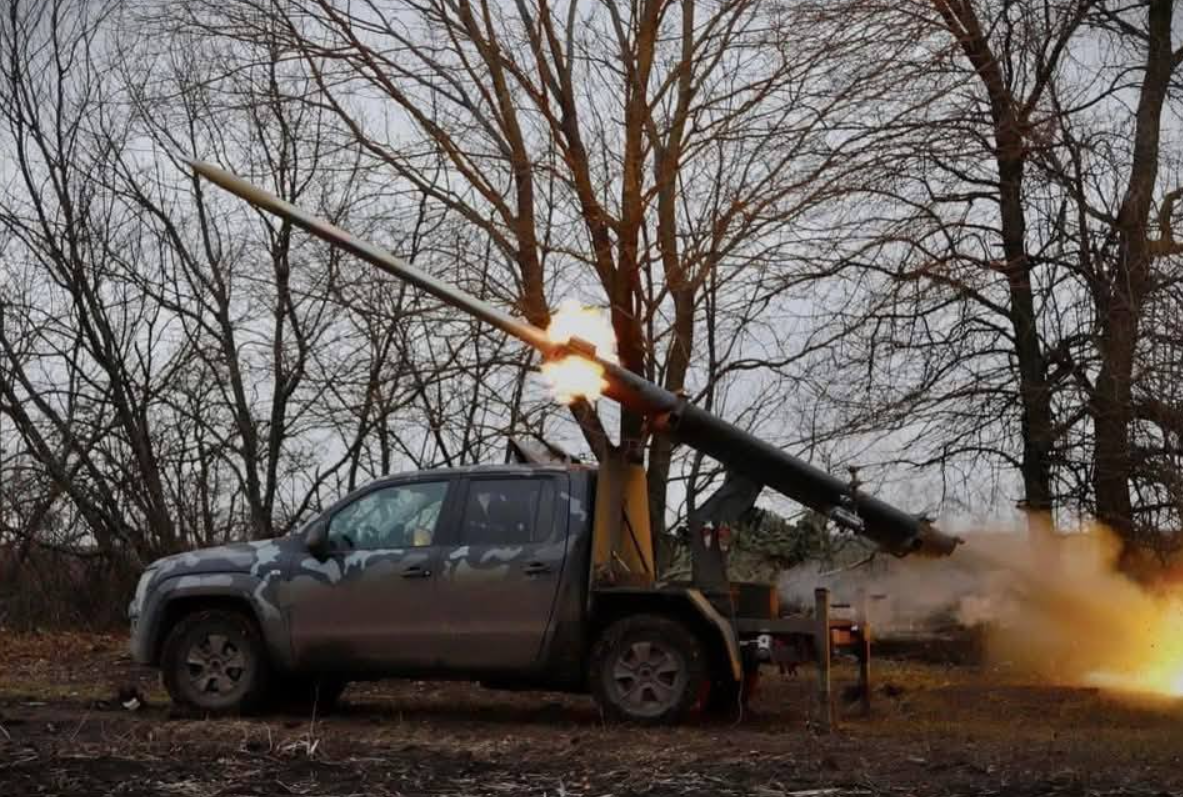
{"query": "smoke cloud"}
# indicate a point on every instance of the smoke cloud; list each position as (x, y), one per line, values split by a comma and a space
(1063, 610)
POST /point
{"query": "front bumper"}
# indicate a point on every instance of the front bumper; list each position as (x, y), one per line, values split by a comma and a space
(138, 642)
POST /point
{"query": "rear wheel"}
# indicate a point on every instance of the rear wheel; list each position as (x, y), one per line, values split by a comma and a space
(648, 669)
(214, 661)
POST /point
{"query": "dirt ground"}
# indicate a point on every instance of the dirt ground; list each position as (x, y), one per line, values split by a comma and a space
(934, 730)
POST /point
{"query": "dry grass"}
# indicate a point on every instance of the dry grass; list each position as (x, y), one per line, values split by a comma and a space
(941, 730)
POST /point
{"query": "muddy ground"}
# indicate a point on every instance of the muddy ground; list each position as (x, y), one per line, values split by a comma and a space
(934, 730)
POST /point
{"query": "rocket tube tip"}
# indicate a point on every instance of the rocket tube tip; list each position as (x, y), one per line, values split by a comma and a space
(935, 543)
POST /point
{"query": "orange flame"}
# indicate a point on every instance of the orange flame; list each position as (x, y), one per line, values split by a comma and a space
(572, 377)
(1079, 620)
(1153, 663)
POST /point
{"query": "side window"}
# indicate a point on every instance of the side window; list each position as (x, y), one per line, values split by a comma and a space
(402, 516)
(507, 511)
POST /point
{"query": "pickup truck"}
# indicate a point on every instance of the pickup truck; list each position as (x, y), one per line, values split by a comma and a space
(481, 573)
(540, 575)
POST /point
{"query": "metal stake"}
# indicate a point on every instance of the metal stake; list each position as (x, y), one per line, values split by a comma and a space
(821, 597)
(864, 652)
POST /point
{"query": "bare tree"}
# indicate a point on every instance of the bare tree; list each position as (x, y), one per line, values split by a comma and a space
(257, 327)
(85, 357)
(1126, 259)
(962, 331)
(623, 152)
(1121, 290)
(174, 370)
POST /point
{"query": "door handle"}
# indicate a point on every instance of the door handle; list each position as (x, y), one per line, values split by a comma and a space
(416, 572)
(536, 569)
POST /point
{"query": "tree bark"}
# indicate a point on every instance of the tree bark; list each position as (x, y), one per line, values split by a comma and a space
(1123, 290)
(1010, 154)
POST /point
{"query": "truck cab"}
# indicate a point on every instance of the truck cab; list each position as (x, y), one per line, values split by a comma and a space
(451, 572)
(445, 573)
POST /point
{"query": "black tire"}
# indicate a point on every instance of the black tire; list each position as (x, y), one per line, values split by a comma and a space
(648, 669)
(214, 661)
(304, 694)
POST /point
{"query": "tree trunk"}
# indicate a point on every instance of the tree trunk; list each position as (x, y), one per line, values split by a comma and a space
(1034, 391)
(1121, 296)
(1010, 155)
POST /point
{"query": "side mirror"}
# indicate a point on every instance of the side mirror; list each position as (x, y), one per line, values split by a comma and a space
(317, 540)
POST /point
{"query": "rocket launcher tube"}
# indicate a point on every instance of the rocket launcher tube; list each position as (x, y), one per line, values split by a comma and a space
(893, 529)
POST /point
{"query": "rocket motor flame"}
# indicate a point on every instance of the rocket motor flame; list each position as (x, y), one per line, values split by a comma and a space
(1064, 612)
(1080, 620)
(1116, 633)
(572, 377)
(1077, 619)
(1151, 659)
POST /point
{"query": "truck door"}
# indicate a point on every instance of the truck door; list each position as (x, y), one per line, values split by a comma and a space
(499, 579)
(371, 604)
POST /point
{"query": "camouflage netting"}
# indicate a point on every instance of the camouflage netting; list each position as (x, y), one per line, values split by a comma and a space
(764, 544)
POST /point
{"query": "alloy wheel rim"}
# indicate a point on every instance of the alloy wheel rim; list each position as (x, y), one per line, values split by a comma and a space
(647, 678)
(216, 665)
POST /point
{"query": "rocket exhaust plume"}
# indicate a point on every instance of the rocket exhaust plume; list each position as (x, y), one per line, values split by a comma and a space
(1082, 621)
(1073, 619)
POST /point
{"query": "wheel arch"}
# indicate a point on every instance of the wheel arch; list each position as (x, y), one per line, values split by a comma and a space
(184, 595)
(688, 606)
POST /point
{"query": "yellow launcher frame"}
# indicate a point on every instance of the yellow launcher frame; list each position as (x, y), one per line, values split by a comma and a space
(622, 536)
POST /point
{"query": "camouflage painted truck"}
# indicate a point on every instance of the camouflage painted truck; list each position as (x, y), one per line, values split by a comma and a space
(478, 573)
(538, 574)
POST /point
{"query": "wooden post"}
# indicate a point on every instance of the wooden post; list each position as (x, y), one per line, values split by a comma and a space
(821, 597)
(864, 653)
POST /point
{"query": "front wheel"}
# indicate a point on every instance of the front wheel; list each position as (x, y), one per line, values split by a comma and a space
(648, 669)
(214, 661)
